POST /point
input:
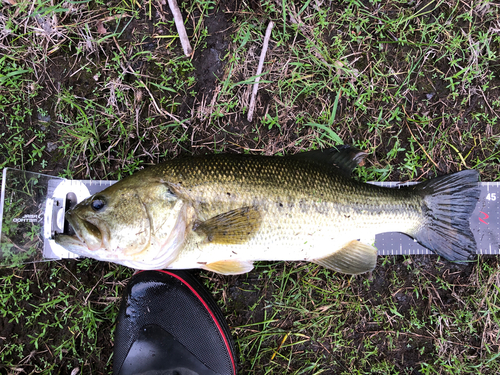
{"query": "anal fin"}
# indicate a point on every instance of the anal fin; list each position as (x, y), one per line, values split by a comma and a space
(229, 267)
(353, 258)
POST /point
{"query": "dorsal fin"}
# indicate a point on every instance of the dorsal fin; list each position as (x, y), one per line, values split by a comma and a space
(345, 157)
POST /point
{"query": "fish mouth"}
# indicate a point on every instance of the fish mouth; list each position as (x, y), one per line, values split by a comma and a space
(72, 244)
(87, 232)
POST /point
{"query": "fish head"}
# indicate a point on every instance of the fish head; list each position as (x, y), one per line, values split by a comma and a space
(140, 225)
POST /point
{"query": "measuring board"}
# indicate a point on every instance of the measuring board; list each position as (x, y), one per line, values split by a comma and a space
(484, 223)
(32, 202)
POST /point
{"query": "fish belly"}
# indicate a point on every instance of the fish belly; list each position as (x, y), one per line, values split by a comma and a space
(295, 237)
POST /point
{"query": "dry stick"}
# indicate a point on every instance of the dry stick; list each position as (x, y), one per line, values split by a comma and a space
(251, 108)
(179, 24)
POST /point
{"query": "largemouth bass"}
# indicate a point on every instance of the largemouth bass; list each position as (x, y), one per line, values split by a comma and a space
(223, 212)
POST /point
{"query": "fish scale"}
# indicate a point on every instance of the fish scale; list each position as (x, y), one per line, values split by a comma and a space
(292, 197)
(325, 213)
(388, 244)
(262, 184)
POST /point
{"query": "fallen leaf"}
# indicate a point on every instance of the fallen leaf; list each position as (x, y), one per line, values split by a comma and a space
(100, 28)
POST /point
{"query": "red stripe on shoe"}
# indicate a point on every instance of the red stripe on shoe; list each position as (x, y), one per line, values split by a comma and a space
(210, 312)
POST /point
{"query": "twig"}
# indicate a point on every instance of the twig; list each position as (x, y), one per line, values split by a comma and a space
(251, 108)
(179, 24)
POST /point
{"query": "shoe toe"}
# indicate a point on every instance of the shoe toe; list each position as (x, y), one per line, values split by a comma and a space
(169, 324)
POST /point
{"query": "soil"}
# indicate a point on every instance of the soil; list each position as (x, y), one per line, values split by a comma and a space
(236, 294)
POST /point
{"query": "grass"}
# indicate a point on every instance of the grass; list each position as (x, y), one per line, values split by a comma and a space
(315, 320)
(100, 89)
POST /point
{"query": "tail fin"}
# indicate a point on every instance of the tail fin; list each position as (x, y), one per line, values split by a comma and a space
(448, 203)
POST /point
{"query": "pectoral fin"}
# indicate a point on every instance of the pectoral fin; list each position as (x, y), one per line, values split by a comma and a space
(229, 267)
(353, 258)
(232, 227)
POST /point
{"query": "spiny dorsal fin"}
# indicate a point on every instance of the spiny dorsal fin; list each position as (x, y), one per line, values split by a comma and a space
(232, 227)
(345, 157)
(353, 258)
(229, 267)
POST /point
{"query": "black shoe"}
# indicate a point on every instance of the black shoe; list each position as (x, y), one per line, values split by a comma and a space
(169, 324)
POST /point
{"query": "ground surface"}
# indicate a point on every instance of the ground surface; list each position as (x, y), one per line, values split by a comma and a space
(97, 90)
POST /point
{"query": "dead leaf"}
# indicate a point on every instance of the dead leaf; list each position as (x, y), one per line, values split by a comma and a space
(100, 28)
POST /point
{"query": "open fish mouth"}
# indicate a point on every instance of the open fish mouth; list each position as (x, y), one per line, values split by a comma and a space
(86, 232)
(73, 244)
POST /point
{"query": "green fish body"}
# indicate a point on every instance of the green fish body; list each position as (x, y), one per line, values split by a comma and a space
(223, 212)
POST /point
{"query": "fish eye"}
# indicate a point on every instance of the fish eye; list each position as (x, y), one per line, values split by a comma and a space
(98, 204)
